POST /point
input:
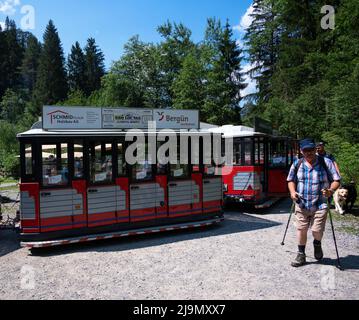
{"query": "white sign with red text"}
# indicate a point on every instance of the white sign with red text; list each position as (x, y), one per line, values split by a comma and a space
(71, 118)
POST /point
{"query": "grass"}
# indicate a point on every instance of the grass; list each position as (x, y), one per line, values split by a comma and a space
(348, 223)
(8, 180)
(14, 188)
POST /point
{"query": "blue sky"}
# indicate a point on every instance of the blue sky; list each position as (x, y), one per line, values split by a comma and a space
(112, 22)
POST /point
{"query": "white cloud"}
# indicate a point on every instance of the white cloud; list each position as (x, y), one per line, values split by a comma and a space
(8, 7)
(252, 84)
(2, 25)
(246, 20)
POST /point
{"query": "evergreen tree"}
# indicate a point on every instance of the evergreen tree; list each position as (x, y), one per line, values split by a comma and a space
(225, 81)
(263, 39)
(95, 67)
(30, 63)
(76, 67)
(12, 106)
(11, 56)
(51, 85)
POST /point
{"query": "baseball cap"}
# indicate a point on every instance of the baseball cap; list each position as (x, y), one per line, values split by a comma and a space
(307, 144)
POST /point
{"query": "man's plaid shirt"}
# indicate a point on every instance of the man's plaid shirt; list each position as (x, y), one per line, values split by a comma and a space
(310, 181)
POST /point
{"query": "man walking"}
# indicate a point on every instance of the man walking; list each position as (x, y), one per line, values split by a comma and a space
(311, 181)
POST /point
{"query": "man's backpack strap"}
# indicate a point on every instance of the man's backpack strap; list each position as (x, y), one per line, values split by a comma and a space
(324, 165)
(297, 166)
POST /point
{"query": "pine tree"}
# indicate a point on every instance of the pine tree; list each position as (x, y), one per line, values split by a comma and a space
(51, 85)
(263, 39)
(225, 81)
(95, 67)
(30, 63)
(76, 67)
(12, 54)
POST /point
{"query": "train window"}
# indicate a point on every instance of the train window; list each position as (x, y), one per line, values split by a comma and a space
(161, 168)
(78, 160)
(28, 160)
(259, 152)
(248, 145)
(278, 154)
(55, 165)
(143, 171)
(121, 163)
(101, 162)
(237, 154)
(178, 170)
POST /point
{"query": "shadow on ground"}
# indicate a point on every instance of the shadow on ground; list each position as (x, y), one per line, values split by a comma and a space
(234, 223)
(283, 206)
(8, 242)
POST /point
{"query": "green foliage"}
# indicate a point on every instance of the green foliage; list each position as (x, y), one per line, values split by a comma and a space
(9, 149)
(76, 68)
(12, 106)
(51, 85)
(94, 66)
(347, 156)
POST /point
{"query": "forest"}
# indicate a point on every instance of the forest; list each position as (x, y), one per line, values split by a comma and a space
(307, 77)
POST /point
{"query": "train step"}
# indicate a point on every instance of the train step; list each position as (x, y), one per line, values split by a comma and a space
(120, 234)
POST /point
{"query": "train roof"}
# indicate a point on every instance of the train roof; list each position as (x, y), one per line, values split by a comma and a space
(38, 132)
(231, 131)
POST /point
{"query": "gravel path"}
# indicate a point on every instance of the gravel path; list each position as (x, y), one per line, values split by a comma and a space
(240, 259)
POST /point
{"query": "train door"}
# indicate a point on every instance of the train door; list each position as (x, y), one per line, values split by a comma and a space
(184, 188)
(122, 183)
(144, 188)
(102, 189)
(29, 188)
(58, 201)
(280, 157)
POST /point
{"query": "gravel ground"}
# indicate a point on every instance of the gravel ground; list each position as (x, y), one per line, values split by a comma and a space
(240, 259)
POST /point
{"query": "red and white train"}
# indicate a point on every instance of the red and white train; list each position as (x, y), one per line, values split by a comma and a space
(76, 186)
(261, 162)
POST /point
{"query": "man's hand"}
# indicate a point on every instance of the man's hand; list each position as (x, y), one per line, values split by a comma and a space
(294, 196)
(327, 193)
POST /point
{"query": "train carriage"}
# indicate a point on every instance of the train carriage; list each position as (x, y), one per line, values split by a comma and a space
(261, 163)
(77, 183)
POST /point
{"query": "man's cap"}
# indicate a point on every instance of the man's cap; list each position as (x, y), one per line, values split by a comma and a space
(307, 144)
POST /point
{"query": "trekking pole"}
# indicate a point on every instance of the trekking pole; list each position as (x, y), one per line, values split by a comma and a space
(335, 240)
(290, 217)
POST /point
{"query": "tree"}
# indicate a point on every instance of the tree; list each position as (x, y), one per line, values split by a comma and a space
(262, 39)
(12, 106)
(173, 50)
(11, 56)
(30, 63)
(51, 85)
(94, 66)
(189, 87)
(225, 81)
(76, 66)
